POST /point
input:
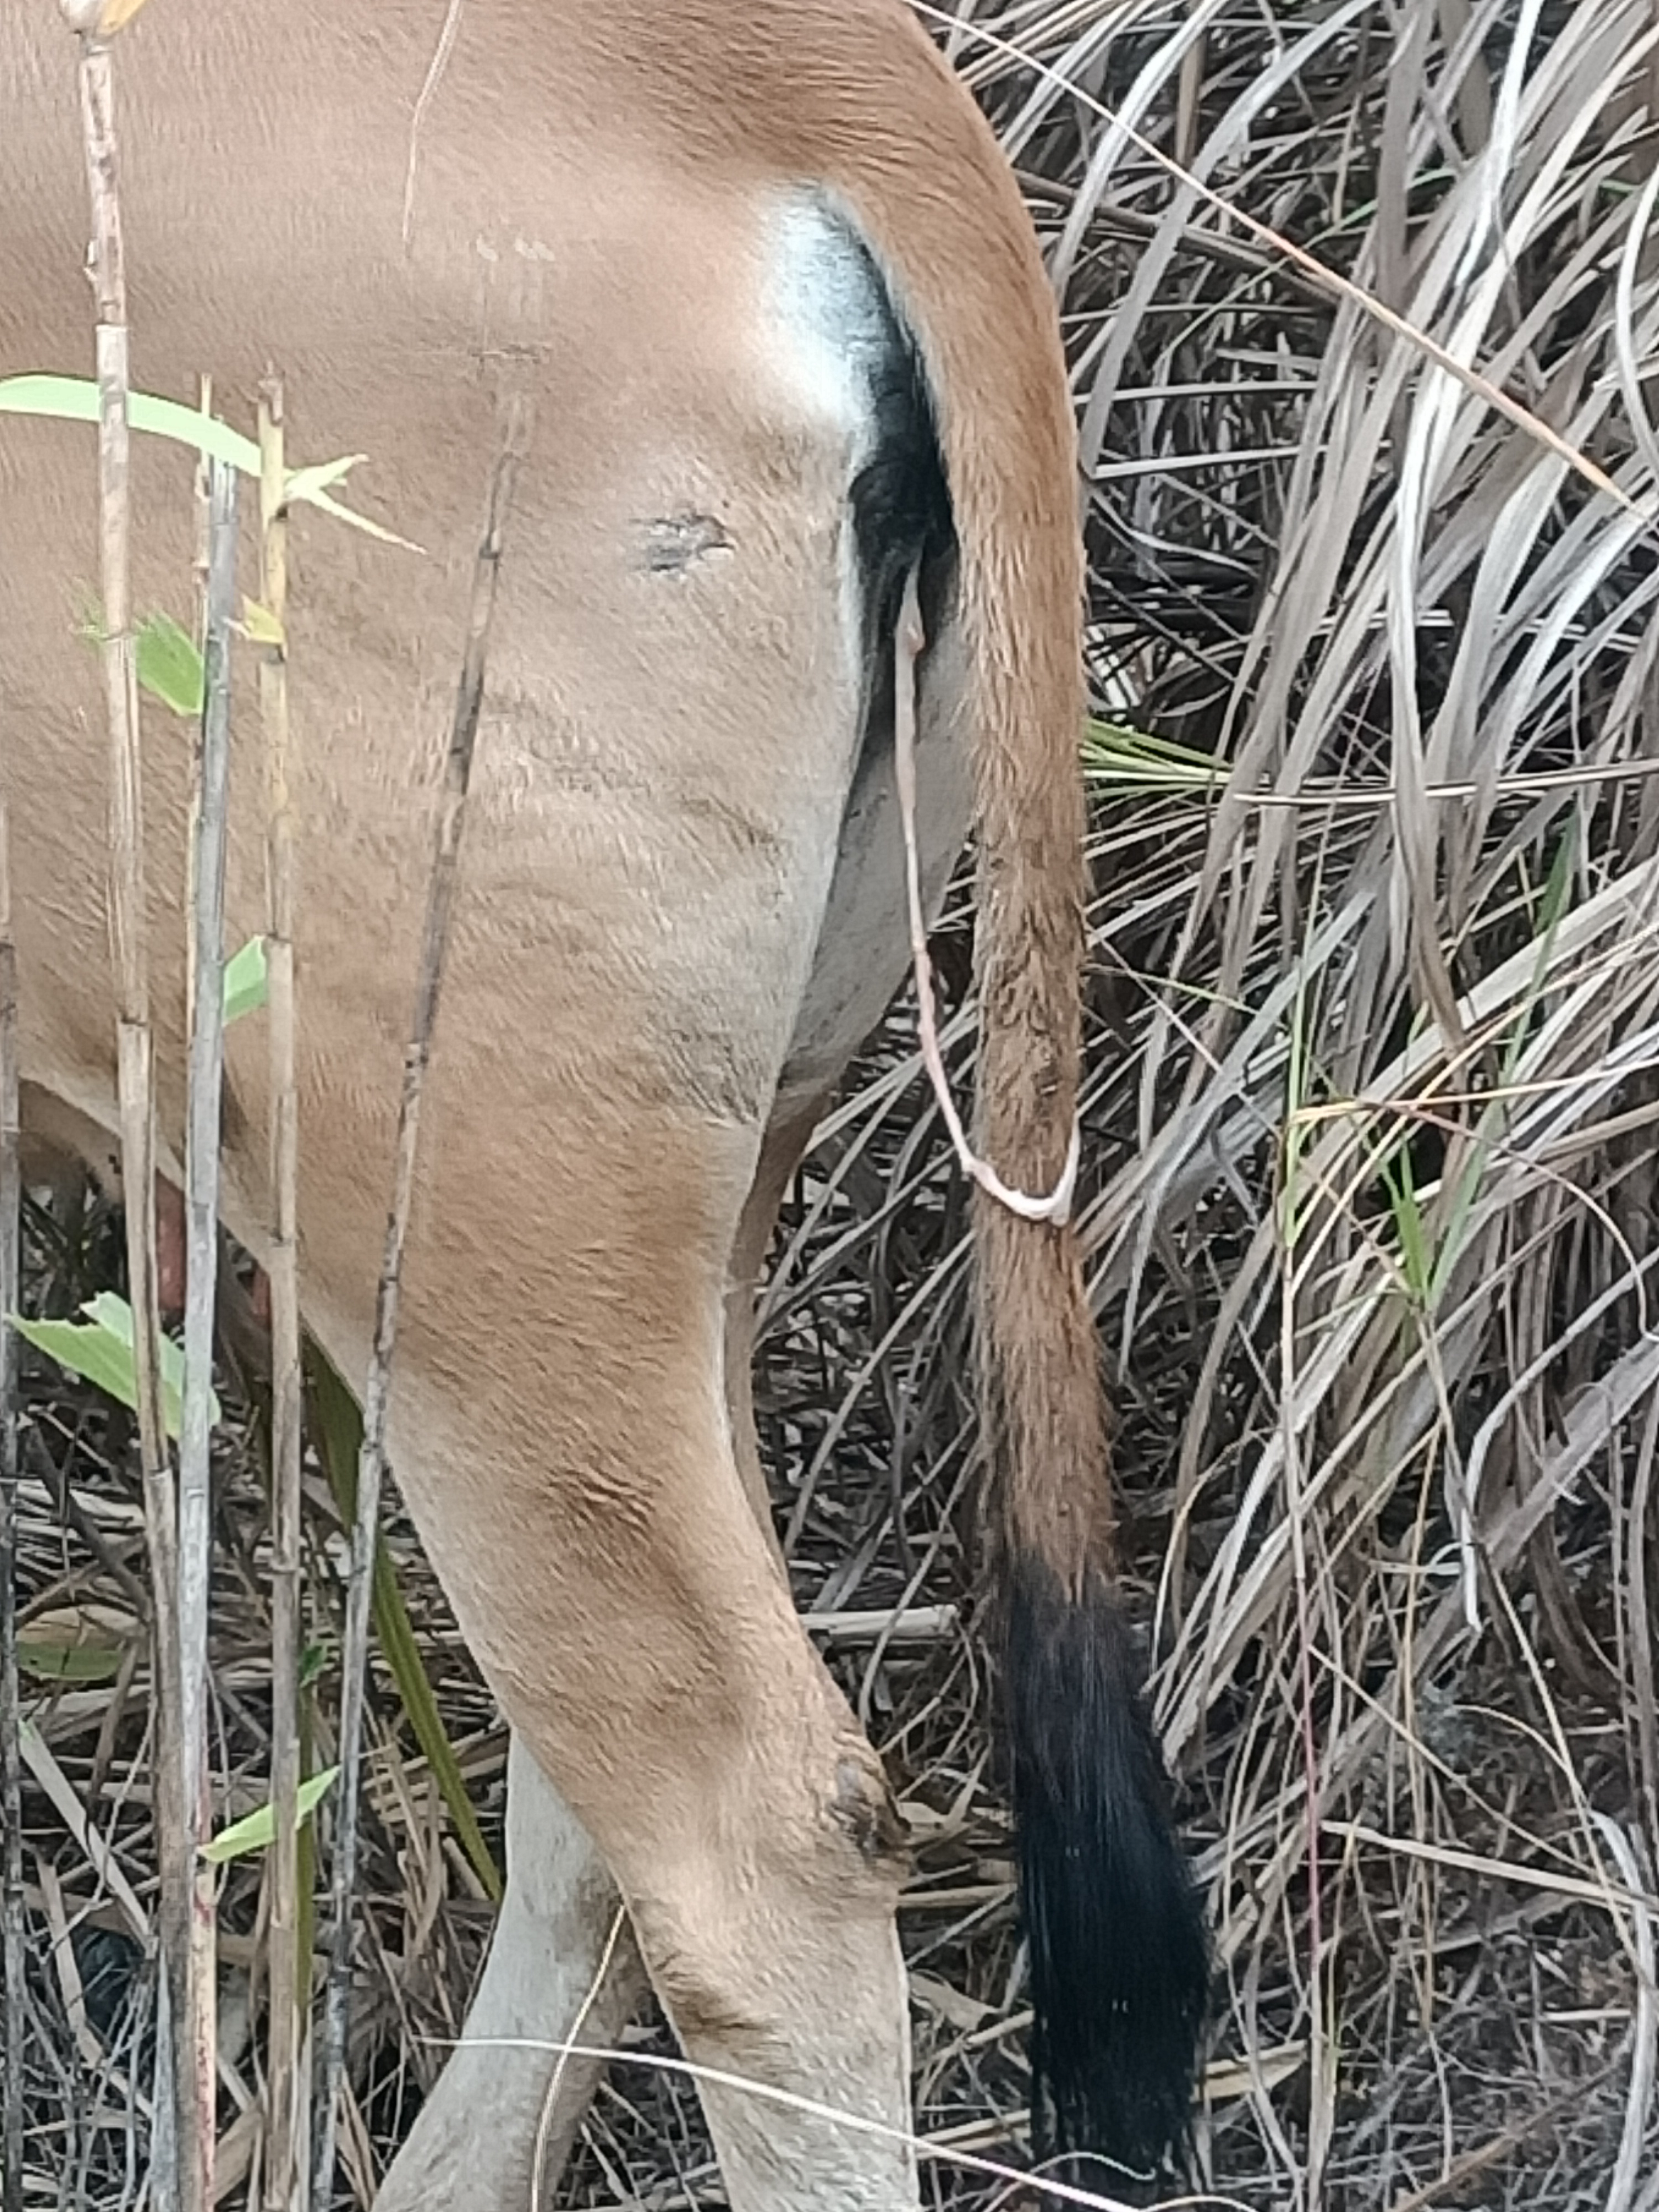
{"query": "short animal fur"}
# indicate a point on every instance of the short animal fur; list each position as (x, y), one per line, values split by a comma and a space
(767, 287)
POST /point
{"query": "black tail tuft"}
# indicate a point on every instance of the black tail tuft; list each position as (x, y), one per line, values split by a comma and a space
(1119, 1959)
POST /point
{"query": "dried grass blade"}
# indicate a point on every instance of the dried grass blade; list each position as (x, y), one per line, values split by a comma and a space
(11, 1815)
(60, 1792)
(446, 838)
(1330, 281)
(199, 2035)
(1644, 2027)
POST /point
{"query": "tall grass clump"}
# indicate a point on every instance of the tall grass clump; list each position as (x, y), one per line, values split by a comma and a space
(1363, 304)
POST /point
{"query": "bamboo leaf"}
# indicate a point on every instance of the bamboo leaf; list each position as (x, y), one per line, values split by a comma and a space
(336, 1424)
(259, 625)
(75, 1643)
(255, 1830)
(247, 982)
(169, 665)
(75, 399)
(99, 1351)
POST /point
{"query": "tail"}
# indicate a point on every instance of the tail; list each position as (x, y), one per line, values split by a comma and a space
(1120, 1964)
(1119, 1956)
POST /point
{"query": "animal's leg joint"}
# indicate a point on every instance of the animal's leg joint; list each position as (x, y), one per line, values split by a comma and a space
(863, 1809)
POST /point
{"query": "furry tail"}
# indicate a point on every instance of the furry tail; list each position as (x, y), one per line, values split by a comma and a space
(1118, 1957)
(1118, 1949)
(1119, 1953)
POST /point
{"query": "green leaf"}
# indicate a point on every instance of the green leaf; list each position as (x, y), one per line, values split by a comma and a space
(114, 1315)
(258, 1828)
(169, 665)
(97, 1355)
(68, 1662)
(1416, 1262)
(336, 1425)
(81, 1641)
(75, 399)
(248, 986)
(99, 1351)
(57, 1648)
(1133, 760)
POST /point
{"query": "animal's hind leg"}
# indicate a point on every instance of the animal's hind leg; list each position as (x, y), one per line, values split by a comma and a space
(503, 2106)
(787, 1136)
(474, 2141)
(642, 1639)
(609, 1574)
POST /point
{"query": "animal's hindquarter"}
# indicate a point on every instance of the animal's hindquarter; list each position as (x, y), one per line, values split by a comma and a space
(672, 689)
(674, 692)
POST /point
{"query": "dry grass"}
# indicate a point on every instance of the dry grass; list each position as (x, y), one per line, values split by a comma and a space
(1368, 1180)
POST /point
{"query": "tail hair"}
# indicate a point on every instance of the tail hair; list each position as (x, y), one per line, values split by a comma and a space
(1119, 1955)
(1118, 1952)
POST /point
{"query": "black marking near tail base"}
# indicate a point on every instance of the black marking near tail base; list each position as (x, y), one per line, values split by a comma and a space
(1120, 1958)
(900, 503)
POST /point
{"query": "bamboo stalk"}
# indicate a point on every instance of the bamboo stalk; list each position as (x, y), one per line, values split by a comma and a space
(11, 1819)
(284, 2168)
(202, 1221)
(176, 2162)
(440, 894)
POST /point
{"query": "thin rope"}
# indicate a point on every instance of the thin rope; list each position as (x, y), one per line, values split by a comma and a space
(909, 639)
(1064, 2192)
(543, 2125)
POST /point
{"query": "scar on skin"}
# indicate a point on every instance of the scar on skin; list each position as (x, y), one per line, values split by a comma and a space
(674, 542)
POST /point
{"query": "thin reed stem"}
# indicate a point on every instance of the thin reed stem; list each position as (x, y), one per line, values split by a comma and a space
(207, 996)
(441, 897)
(284, 2169)
(178, 2159)
(11, 1810)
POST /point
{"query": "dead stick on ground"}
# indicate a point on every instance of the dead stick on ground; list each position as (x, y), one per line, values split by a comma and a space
(11, 1819)
(206, 1027)
(177, 2165)
(283, 2168)
(441, 894)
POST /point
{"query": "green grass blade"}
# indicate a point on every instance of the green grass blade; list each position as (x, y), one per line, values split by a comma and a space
(336, 1428)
